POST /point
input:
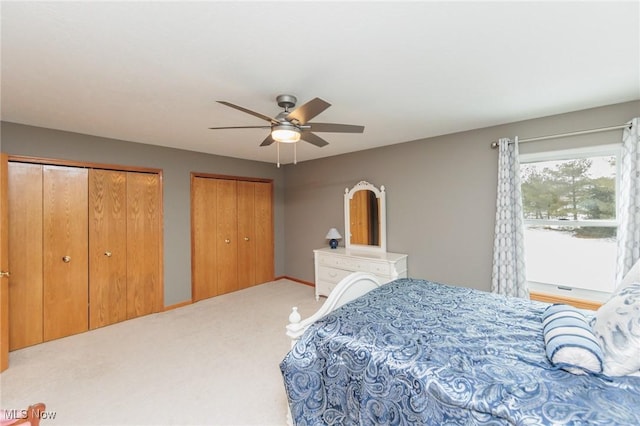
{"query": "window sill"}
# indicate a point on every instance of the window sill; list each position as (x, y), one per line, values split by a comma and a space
(554, 298)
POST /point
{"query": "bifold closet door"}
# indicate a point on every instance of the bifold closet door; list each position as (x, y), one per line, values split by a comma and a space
(263, 213)
(204, 241)
(255, 233)
(4, 264)
(143, 244)
(65, 247)
(246, 234)
(107, 247)
(232, 235)
(25, 255)
(227, 236)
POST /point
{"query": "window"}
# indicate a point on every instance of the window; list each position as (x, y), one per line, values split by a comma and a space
(569, 201)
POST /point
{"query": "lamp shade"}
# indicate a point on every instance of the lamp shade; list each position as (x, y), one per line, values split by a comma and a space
(333, 234)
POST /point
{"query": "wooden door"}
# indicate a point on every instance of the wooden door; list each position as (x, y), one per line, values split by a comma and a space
(107, 247)
(227, 236)
(4, 265)
(232, 235)
(25, 262)
(65, 247)
(143, 244)
(203, 238)
(246, 234)
(264, 232)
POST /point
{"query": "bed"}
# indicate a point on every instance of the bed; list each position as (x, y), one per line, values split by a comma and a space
(419, 352)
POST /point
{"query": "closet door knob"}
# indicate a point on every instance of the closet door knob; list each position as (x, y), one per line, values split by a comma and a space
(66, 259)
(107, 253)
(227, 240)
(246, 238)
(4, 274)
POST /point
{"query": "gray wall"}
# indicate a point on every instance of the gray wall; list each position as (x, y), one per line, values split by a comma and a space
(176, 165)
(440, 194)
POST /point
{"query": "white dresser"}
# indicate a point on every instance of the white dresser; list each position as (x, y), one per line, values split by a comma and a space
(332, 265)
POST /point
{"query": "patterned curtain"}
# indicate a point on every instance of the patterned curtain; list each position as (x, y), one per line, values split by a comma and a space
(509, 277)
(629, 211)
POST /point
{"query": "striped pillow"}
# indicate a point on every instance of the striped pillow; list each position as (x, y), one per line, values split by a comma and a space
(569, 340)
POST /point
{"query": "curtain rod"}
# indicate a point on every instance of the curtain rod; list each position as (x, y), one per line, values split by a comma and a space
(564, 135)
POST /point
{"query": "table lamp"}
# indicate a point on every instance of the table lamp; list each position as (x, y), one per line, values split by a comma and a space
(333, 236)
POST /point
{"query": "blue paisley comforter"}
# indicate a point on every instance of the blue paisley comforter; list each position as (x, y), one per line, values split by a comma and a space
(422, 353)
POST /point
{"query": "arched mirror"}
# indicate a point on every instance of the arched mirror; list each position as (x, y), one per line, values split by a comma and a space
(365, 220)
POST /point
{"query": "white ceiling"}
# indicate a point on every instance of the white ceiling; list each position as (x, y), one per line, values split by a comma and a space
(151, 72)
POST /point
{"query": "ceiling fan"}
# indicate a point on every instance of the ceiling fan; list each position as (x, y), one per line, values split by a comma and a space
(291, 126)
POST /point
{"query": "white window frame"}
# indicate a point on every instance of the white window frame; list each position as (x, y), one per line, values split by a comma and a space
(575, 154)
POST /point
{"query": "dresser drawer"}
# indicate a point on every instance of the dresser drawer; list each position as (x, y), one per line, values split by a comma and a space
(380, 268)
(330, 261)
(353, 265)
(324, 288)
(331, 275)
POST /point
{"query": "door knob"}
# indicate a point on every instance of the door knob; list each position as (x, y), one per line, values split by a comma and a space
(107, 253)
(4, 274)
(66, 259)
(227, 240)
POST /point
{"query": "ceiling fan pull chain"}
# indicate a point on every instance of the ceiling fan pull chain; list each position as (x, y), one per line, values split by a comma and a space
(278, 149)
(295, 153)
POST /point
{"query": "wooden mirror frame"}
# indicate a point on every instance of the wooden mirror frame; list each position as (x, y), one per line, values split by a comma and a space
(382, 217)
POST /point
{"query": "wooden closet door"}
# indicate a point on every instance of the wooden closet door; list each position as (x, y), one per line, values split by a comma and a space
(246, 234)
(25, 248)
(203, 236)
(227, 236)
(65, 245)
(264, 232)
(107, 247)
(143, 244)
(4, 265)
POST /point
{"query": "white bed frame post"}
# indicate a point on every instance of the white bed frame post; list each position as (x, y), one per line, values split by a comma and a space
(351, 287)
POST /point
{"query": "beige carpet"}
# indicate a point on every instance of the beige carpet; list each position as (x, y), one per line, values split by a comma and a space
(215, 362)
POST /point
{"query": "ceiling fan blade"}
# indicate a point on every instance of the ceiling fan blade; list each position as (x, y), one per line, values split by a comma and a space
(335, 128)
(267, 141)
(309, 110)
(248, 111)
(313, 139)
(240, 127)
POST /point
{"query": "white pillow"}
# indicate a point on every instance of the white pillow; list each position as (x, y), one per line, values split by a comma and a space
(617, 327)
(632, 276)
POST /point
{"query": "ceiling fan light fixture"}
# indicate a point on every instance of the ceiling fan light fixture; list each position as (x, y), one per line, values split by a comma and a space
(285, 134)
